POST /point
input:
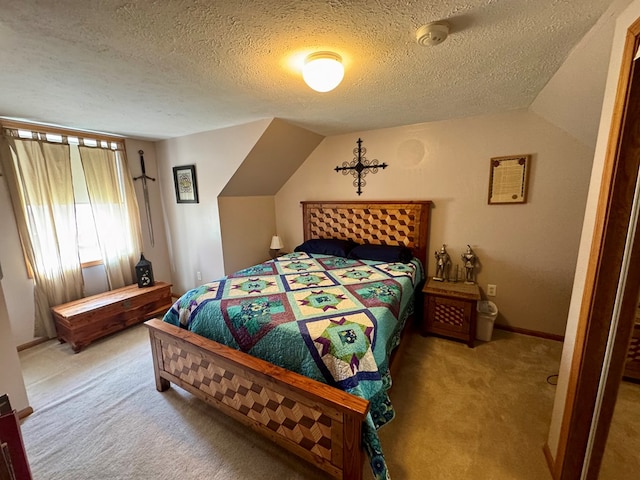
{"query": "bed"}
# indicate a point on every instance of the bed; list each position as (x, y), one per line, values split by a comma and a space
(311, 415)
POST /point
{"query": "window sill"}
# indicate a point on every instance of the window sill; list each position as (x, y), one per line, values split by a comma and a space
(93, 263)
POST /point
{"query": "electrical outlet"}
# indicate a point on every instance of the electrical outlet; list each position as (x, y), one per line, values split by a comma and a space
(198, 275)
(491, 290)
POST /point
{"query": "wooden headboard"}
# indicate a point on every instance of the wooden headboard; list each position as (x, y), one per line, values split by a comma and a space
(380, 223)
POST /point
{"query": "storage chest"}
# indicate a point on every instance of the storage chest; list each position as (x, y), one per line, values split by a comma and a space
(82, 321)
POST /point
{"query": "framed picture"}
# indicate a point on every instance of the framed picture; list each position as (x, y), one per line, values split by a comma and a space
(508, 179)
(184, 179)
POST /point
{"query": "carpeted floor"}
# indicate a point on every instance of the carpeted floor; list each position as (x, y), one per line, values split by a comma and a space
(462, 413)
(483, 413)
(621, 458)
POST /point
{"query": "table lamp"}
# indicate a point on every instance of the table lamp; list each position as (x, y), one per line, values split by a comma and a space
(276, 245)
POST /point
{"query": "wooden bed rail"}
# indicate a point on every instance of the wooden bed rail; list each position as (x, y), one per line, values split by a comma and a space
(315, 421)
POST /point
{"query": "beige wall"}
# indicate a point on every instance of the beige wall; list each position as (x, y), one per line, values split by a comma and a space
(158, 255)
(574, 105)
(247, 225)
(281, 149)
(623, 22)
(529, 251)
(11, 381)
(193, 230)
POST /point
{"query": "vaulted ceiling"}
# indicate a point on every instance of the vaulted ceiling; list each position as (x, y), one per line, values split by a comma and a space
(159, 69)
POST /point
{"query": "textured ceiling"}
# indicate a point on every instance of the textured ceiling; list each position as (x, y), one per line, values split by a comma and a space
(165, 68)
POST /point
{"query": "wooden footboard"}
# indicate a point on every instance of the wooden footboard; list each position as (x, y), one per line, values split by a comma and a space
(317, 422)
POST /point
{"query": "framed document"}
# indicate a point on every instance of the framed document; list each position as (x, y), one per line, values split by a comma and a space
(508, 178)
(184, 179)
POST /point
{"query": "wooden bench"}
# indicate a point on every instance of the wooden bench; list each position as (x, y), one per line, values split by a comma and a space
(82, 321)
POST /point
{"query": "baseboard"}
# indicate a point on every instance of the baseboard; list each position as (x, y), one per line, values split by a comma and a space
(32, 343)
(532, 333)
(550, 461)
(25, 412)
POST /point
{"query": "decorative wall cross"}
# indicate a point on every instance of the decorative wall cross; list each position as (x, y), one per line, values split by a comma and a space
(360, 166)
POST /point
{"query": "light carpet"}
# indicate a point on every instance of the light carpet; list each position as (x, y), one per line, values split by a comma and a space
(621, 459)
(462, 413)
(97, 415)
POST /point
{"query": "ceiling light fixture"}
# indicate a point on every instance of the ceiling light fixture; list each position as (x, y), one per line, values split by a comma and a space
(323, 71)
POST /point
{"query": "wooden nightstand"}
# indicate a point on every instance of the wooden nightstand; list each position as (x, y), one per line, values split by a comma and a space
(450, 310)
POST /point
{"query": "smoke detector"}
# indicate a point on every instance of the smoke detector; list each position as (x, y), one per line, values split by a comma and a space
(433, 33)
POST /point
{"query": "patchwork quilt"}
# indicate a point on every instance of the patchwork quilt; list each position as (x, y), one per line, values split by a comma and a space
(332, 319)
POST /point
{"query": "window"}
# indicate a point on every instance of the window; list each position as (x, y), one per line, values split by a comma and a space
(75, 205)
(88, 244)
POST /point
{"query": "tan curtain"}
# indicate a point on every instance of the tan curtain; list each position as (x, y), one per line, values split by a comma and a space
(38, 176)
(115, 211)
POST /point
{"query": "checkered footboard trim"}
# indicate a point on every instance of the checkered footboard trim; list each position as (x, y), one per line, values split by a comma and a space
(299, 423)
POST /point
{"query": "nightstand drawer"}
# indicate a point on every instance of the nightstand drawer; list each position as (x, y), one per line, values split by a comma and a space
(448, 316)
(450, 310)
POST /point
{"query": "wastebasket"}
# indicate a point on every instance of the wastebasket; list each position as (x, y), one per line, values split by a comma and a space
(487, 313)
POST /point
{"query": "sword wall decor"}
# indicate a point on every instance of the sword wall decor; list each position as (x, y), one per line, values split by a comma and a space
(144, 177)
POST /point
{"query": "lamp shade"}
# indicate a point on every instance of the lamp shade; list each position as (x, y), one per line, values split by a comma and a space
(276, 243)
(323, 71)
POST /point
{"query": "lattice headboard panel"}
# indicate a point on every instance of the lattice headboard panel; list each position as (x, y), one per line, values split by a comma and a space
(381, 223)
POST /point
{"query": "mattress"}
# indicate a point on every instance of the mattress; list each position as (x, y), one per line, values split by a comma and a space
(332, 319)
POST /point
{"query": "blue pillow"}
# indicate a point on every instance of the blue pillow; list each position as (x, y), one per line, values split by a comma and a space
(382, 253)
(327, 246)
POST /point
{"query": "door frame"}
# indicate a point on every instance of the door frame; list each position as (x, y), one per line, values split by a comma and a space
(586, 407)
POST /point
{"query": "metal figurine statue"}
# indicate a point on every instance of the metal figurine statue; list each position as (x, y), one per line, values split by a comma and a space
(442, 264)
(469, 258)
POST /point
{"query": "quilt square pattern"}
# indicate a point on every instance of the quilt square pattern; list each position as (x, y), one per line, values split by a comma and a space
(342, 347)
(189, 303)
(319, 301)
(385, 293)
(298, 281)
(297, 266)
(399, 270)
(358, 274)
(331, 263)
(294, 256)
(267, 268)
(259, 285)
(250, 319)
